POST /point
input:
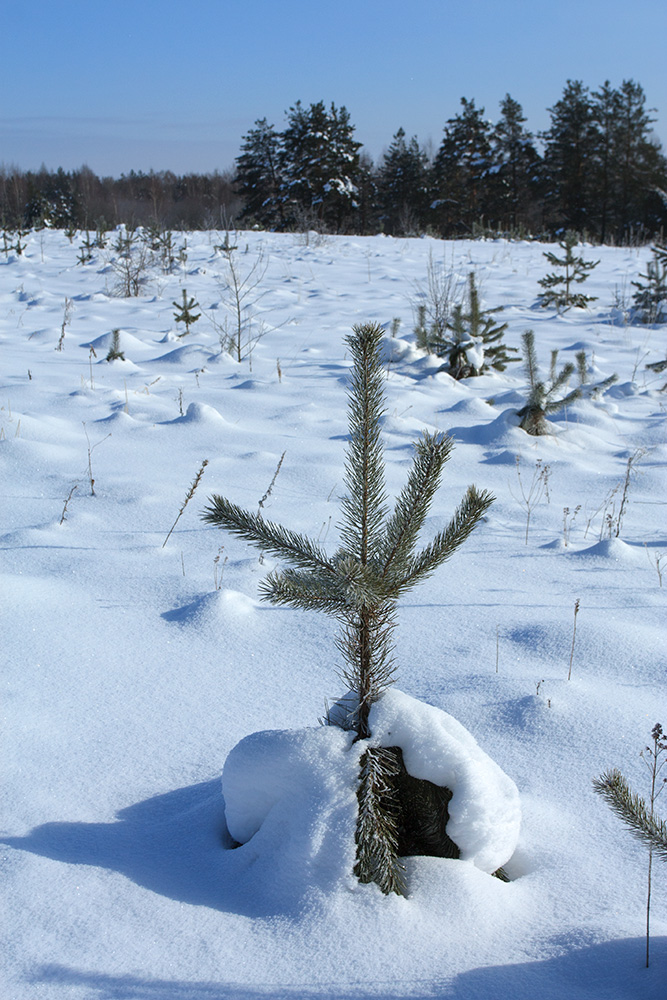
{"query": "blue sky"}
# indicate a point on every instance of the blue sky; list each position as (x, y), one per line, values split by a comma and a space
(175, 85)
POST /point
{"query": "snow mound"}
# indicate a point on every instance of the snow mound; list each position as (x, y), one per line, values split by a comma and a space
(188, 354)
(127, 342)
(396, 349)
(484, 811)
(200, 413)
(285, 774)
(295, 791)
(614, 549)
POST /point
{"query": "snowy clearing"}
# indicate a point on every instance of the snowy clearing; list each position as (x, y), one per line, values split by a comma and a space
(132, 668)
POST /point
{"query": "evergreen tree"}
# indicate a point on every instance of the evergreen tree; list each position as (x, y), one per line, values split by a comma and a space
(361, 583)
(114, 353)
(257, 176)
(472, 340)
(403, 186)
(650, 299)
(185, 312)
(639, 166)
(569, 151)
(319, 161)
(631, 808)
(543, 397)
(366, 214)
(516, 168)
(636, 813)
(558, 287)
(605, 114)
(460, 174)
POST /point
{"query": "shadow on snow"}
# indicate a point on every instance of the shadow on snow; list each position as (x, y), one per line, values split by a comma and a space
(612, 970)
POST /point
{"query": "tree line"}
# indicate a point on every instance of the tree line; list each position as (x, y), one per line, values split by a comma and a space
(599, 171)
(79, 199)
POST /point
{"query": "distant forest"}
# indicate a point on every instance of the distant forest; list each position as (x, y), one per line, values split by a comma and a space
(598, 170)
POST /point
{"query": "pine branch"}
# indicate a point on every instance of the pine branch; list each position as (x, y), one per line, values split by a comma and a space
(377, 823)
(561, 379)
(412, 506)
(305, 589)
(632, 809)
(556, 404)
(266, 535)
(446, 542)
(343, 589)
(365, 506)
(530, 358)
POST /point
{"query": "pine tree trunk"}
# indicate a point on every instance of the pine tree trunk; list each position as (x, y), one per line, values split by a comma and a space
(365, 675)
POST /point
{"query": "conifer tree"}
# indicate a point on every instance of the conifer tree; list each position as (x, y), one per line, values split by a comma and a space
(114, 353)
(605, 114)
(650, 299)
(516, 168)
(319, 164)
(402, 187)
(460, 174)
(472, 341)
(360, 584)
(258, 177)
(639, 165)
(626, 165)
(558, 287)
(636, 813)
(568, 154)
(185, 312)
(543, 397)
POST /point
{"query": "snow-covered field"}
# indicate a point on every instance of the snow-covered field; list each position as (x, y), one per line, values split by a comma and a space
(132, 668)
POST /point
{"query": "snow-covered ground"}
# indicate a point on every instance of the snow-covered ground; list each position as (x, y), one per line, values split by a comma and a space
(132, 668)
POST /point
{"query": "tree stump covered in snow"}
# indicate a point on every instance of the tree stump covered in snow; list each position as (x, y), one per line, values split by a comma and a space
(423, 816)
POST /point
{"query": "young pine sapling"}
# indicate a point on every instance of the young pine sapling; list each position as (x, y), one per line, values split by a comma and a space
(114, 353)
(361, 583)
(650, 299)
(185, 312)
(543, 397)
(471, 340)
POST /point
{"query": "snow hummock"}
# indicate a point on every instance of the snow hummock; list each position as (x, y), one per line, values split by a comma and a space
(484, 811)
(287, 774)
(299, 782)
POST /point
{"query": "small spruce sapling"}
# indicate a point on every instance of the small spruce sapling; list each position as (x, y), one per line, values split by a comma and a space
(558, 290)
(360, 584)
(650, 299)
(114, 353)
(185, 313)
(543, 397)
